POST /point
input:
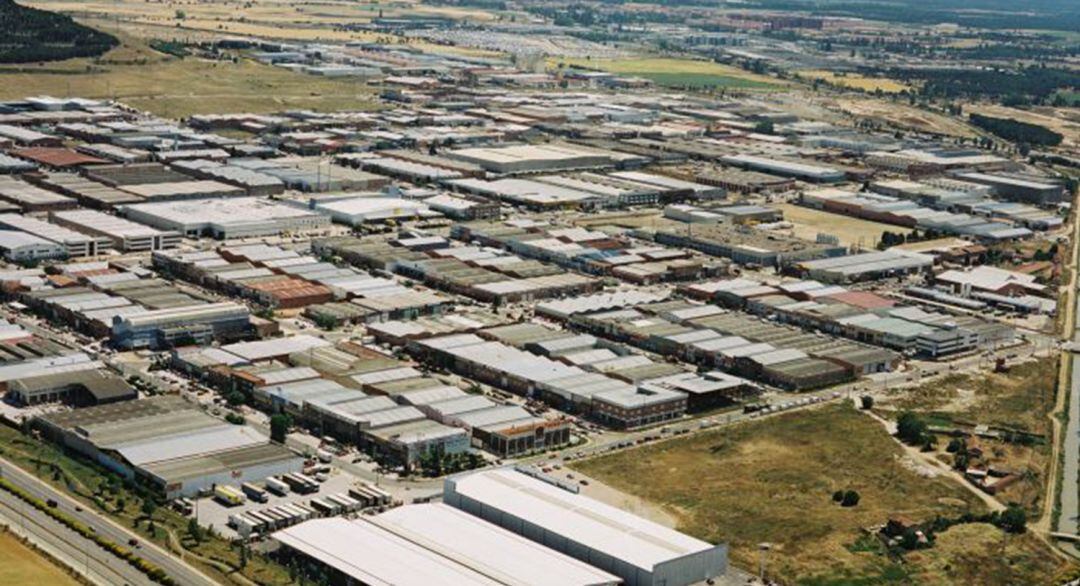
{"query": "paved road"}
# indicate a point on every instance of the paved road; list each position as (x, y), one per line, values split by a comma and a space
(179, 570)
(79, 553)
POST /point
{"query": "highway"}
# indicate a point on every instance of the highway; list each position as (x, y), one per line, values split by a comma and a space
(176, 568)
(1069, 498)
(79, 553)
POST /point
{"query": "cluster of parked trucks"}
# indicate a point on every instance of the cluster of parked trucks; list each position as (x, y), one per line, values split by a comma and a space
(263, 521)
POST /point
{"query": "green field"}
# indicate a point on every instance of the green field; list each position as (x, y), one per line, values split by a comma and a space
(673, 72)
(771, 481)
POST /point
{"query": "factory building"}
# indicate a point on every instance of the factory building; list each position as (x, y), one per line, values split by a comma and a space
(640, 552)
(1035, 190)
(813, 172)
(123, 235)
(423, 545)
(74, 244)
(21, 247)
(169, 443)
(241, 217)
(177, 326)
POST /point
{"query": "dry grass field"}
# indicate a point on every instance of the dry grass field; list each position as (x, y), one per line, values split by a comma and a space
(21, 565)
(171, 87)
(904, 116)
(856, 81)
(851, 231)
(666, 71)
(771, 481)
(270, 19)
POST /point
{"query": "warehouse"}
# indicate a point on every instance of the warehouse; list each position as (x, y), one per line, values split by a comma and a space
(361, 209)
(73, 243)
(124, 235)
(747, 246)
(640, 552)
(170, 443)
(463, 208)
(195, 324)
(77, 388)
(20, 247)
(867, 266)
(798, 169)
(89, 193)
(422, 545)
(241, 217)
(406, 443)
(516, 159)
(30, 198)
(1035, 190)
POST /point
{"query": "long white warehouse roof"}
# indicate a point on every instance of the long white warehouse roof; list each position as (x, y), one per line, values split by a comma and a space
(488, 548)
(614, 532)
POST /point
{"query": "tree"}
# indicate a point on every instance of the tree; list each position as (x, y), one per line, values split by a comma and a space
(121, 504)
(838, 496)
(851, 498)
(867, 402)
(911, 429)
(1013, 519)
(148, 508)
(279, 427)
(194, 530)
(764, 127)
(909, 540)
(235, 398)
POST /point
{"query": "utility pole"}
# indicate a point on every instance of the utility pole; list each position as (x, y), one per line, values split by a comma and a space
(763, 549)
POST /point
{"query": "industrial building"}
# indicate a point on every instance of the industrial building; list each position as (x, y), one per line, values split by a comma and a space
(20, 247)
(74, 244)
(813, 172)
(640, 552)
(195, 324)
(519, 159)
(170, 444)
(421, 545)
(866, 266)
(240, 217)
(123, 234)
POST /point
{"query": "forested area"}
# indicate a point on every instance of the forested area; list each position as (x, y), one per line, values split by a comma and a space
(1017, 131)
(30, 35)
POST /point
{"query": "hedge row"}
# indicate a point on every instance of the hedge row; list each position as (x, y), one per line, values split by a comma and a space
(151, 570)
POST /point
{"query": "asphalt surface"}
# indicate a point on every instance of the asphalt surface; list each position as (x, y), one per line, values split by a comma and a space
(176, 568)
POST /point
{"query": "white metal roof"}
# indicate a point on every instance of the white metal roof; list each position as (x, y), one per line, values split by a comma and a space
(623, 536)
(489, 549)
(376, 557)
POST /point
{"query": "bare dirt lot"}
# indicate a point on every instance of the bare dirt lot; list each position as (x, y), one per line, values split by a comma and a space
(851, 231)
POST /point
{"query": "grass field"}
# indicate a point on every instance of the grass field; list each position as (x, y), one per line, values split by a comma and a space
(856, 81)
(771, 481)
(171, 87)
(21, 565)
(851, 231)
(678, 72)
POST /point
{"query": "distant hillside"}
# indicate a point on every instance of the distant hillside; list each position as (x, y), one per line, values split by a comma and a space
(992, 14)
(30, 35)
